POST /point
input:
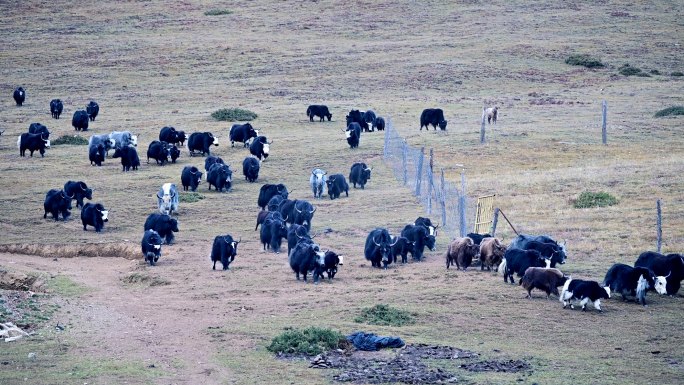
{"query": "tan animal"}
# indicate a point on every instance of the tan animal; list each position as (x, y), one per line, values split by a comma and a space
(492, 252)
(461, 253)
(492, 114)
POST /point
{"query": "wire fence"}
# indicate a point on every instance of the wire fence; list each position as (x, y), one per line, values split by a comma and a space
(444, 202)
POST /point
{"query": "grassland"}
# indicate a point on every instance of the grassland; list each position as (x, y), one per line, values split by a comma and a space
(151, 64)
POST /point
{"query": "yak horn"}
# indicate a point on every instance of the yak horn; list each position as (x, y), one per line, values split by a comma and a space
(313, 173)
(395, 242)
(297, 234)
(285, 220)
(159, 197)
(314, 210)
(3, 131)
(669, 274)
(298, 210)
(316, 233)
(376, 243)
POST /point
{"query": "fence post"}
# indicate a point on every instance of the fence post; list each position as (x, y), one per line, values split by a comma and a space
(384, 151)
(482, 130)
(430, 184)
(462, 207)
(603, 125)
(404, 159)
(495, 221)
(443, 199)
(419, 171)
(660, 229)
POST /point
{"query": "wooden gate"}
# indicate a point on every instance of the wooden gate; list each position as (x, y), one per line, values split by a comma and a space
(485, 214)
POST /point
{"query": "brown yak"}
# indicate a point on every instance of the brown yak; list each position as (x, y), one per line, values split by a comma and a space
(492, 252)
(544, 279)
(461, 253)
(492, 114)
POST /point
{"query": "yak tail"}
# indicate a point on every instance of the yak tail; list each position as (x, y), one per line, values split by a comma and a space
(502, 267)
(520, 282)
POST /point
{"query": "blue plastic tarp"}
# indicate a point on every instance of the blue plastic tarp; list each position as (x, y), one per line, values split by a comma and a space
(371, 342)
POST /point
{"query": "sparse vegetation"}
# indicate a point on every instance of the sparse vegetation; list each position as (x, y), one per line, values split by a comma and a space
(677, 73)
(670, 111)
(584, 60)
(73, 140)
(384, 315)
(628, 70)
(655, 72)
(591, 199)
(190, 197)
(217, 12)
(234, 115)
(309, 341)
(145, 279)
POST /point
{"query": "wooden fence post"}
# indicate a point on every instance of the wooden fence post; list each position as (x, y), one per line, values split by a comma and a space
(462, 207)
(405, 162)
(482, 130)
(430, 183)
(419, 171)
(660, 228)
(603, 125)
(443, 199)
(495, 221)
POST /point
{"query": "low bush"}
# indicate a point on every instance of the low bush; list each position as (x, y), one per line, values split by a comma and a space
(311, 341)
(384, 315)
(190, 197)
(670, 111)
(677, 73)
(655, 72)
(71, 140)
(590, 199)
(584, 60)
(234, 115)
(217, 12)
(628, 70)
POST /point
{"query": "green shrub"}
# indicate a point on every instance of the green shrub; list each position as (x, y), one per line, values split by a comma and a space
(628, 70)
(190, 197)
(677, 73)
(655, 72)
(309, 341)
(590, 199)
(670, 111)
(234, 115)
(584, 60)
(384, 315)
(643, 75)
(68, 139)
(217, 12)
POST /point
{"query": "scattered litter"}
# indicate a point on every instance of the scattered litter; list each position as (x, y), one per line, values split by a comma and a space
(10, 332)
(328, 231)
(32, 355)
(371, 342)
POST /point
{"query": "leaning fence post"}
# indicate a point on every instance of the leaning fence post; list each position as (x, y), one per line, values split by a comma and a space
(482, 130)
(462, 207)
(387, 130)
(430, 183)
(660, 229)
(419, 171)
(443, 199)
(495, 221)
(603, 126)
(404, 159)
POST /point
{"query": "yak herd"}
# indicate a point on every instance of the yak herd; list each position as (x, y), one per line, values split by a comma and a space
(532, 258)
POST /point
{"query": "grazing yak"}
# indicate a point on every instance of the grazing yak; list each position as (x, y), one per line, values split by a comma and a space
(164, 225)
(159, 151)
(242, 133)
(37, 128)
(57, 201)
(427, 223)
(275, 202)
(421, 239)
(201, 142)
(32, 142)
(303, 214)
(492, 252)
(124, 138)
(151, 246)
(360, 173)
(353, 133)
(92, 109)
(671, 265)
(191, 177)
(402, 246)
(129, 158)
(378, 249)
(336, 184)
(585, 292)
(220, 176)
(356, 116)
(517, 261)
(174, 153)
(318, 110)
(96, 155)
(317, 181)
(171, 136)
(56, 108)
(295, 234)
(305, 258)
(433, 116)
(492, 114)
(634, 281)
(224, 250)
(104, 140)
(547, 280)
(286, 210)
(80, 120)
(369, 118)
(523, 241)
(272, 233)
(461, 253)
(260, 148)
(380, 123)
(167, 199)
(268, 191)
(78, 190)
(477, 238)
(19, 95)
(94, 214)
(209, 161)
(250, 169)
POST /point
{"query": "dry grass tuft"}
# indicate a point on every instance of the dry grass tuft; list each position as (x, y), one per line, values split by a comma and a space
(127, 251)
